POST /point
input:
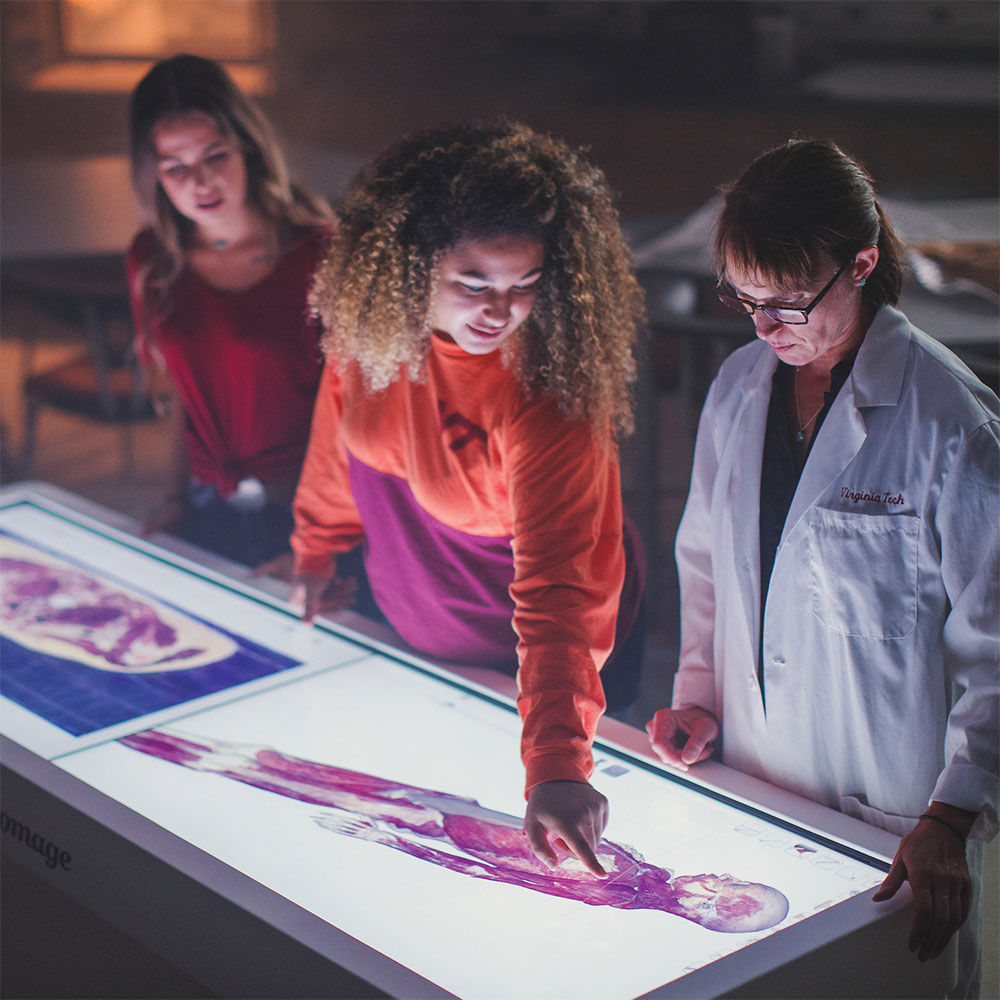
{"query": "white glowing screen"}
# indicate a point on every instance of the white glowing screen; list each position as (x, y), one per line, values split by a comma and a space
(382, 797)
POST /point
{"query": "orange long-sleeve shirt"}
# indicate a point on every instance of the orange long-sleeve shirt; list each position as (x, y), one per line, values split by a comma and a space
(491, 522)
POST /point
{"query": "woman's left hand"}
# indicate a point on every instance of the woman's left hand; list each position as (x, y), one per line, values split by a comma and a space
(932, 859)
(281, 567)
(683, 737)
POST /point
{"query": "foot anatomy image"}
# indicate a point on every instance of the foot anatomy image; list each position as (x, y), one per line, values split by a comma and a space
(461, 835)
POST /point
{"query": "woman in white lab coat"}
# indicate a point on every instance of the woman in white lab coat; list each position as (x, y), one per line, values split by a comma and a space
(838, 554)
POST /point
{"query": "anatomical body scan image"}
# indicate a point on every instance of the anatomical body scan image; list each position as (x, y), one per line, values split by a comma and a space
(343, 788)
(84, 651)
(462, 836)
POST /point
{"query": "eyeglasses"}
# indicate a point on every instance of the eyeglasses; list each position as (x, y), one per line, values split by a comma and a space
(790, 317)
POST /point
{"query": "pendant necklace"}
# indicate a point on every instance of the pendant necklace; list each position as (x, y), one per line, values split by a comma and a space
(265, 254)
(800, 434)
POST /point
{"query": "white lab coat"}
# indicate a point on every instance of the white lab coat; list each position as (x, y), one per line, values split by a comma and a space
(885, 589)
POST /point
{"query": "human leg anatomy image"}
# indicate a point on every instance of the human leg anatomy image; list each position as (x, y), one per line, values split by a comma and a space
(465, 837)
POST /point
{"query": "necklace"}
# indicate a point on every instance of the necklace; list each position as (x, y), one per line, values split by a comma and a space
(265, 253)
(800, 434)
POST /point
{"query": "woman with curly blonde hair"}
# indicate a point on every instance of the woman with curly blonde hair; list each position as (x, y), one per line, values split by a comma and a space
(480, 318)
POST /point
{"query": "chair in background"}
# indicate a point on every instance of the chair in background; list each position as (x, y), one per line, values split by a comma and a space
(105, 382)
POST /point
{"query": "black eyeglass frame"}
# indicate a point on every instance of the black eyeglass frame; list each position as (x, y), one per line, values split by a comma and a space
(780, 314)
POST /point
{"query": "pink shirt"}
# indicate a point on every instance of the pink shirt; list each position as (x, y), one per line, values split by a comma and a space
(246, 364)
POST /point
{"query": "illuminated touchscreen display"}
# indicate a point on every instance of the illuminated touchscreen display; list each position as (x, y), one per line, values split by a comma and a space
(383, 796)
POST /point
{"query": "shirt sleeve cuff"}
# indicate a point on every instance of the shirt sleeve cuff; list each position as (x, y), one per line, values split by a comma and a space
(974, 789)
(694, 688)
(556, 767)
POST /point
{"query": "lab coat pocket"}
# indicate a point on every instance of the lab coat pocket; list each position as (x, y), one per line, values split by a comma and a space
(856, 806)
(863, 572)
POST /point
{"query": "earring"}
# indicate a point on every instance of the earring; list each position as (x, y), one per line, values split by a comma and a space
(862, 282)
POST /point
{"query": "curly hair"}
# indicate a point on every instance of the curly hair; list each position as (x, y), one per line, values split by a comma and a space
(439, 187)
(184, 85)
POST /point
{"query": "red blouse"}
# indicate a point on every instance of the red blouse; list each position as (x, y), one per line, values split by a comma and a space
(246, 364)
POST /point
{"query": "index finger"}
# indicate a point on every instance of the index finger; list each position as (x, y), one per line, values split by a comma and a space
(580, 847)
(298, 601)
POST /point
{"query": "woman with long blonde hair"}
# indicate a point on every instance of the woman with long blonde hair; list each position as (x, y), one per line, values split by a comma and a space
(219, 282)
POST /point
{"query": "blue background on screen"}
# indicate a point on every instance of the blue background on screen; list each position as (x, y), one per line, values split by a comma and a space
(81, 699)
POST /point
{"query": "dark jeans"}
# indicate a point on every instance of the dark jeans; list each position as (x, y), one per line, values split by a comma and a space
(249, 537)
(352, 564)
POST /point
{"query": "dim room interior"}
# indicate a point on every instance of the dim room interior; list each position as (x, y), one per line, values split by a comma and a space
(671, 97)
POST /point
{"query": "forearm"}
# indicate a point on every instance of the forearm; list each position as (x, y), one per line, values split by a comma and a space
(560, 700)
(566, 635)
(694, 683)
(970, 653)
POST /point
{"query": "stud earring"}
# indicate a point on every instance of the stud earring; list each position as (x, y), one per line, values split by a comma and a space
(862, 282)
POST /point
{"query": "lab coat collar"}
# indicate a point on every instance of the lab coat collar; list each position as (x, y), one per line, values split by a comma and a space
(761, 373)
(877, 376)
(875, 380)
(755, 393)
